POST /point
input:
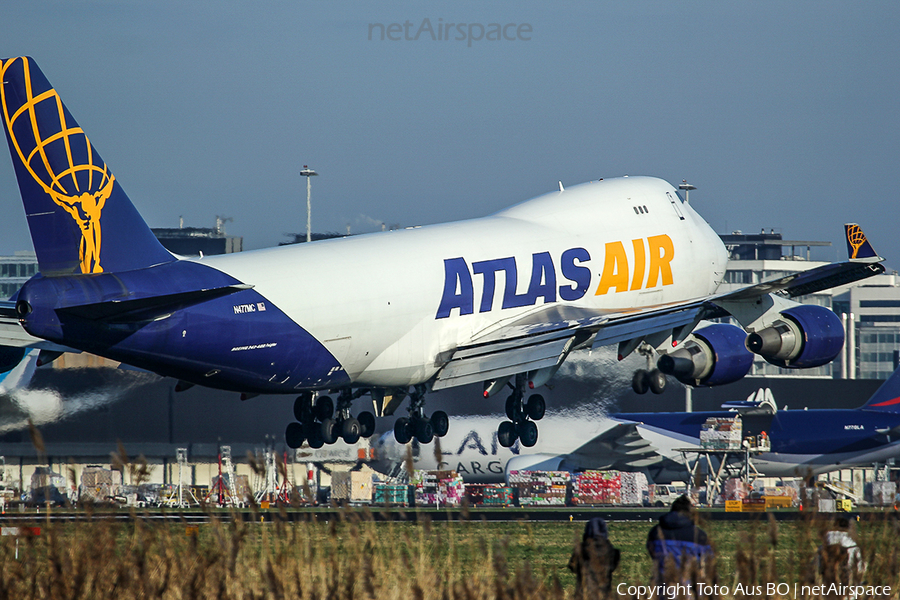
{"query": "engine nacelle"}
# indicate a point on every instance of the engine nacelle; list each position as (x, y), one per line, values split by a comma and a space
(806, 336)
(715, 356)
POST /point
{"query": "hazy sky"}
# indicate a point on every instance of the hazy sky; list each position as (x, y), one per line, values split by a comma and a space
(785, 115)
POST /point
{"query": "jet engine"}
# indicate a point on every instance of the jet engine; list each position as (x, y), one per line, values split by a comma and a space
(806, 336)
(715, 356)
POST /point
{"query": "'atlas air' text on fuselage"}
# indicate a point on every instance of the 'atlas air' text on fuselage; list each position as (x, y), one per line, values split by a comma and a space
(650, 267)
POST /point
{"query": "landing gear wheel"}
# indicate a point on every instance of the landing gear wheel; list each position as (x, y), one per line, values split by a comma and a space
(293, 435)
(514, 408)
(656, 379)
(506, 434)
(440, 422)
(424, 430)
(323, 408)
(330, 431)
(402, 430)
(535, 407)
(314, 438)
(303, 411)
(350, 430)
(640, 383)
(528, 433)
(366, 424)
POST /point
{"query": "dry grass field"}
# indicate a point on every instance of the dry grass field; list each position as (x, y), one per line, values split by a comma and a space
(353, 557)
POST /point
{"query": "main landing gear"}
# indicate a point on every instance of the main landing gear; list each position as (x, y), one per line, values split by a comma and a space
(417, 425)
(522, 415)
(650, 378)
(319, 424)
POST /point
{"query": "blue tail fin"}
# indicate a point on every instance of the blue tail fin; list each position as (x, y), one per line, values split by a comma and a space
(887, 398)
(81, 221)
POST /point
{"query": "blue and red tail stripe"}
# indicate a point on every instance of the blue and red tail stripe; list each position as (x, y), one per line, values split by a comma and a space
(887, 397)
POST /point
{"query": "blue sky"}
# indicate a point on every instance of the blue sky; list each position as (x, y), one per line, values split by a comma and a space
(783, 114)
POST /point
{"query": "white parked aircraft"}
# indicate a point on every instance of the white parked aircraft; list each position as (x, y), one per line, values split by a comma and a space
(502, 299)
(801, 442)
(17, 367)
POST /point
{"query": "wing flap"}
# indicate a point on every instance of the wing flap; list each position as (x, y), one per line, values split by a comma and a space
(502, 352)
(646, 323)
(473, 365)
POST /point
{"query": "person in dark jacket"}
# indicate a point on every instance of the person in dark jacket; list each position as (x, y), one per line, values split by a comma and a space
(594, 561)
(677, 541)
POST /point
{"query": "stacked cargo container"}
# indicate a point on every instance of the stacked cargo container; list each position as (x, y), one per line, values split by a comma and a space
(438, 488)
(596, 487)
(721, 433)
(99, 484)
(634, 488)
(884, 492)
(540, 488)
(488, 494)
(497, 495)
(610, 488)
(736, 489)
(351, 486)
(392, 494)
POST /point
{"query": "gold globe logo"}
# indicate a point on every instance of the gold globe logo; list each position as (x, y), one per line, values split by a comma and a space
(60, 158)
(856, 238)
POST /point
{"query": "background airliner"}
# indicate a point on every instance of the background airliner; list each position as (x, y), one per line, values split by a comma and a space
(502, 299)
(803, 442)
(17, 367)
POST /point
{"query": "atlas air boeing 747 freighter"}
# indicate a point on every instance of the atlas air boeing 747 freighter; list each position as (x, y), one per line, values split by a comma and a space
(502, 299)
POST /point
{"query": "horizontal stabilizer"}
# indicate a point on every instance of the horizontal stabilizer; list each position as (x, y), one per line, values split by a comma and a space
(13, 335)
(809, 282)
(147, 309)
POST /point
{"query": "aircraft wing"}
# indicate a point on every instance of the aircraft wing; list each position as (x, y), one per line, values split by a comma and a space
(621, 447)
(544, 338)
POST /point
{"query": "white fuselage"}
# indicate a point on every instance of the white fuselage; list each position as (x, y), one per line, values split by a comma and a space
(373, 300)
(471, 447)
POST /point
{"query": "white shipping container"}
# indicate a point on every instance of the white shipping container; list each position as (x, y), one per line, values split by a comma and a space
(353, 486)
